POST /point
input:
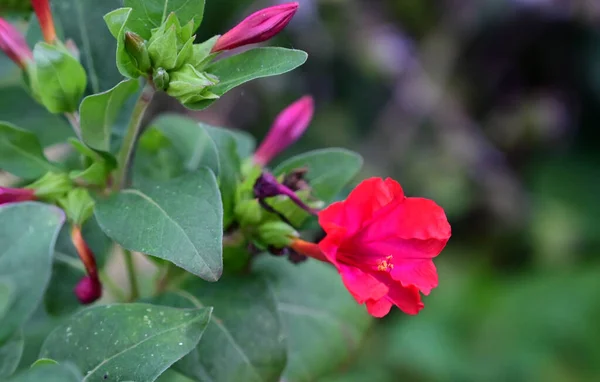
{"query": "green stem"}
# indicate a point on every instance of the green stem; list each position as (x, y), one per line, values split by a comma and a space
(131, 136)
(73, 119)
(134, 292)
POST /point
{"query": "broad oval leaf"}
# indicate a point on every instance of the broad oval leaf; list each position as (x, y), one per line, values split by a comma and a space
(252, 64)
(180, 221)
(48, 372)
(99, 112)
(244, 340)
(21, 153)
(82, 21)
(7, 291)
(31, 229)
(329, 170)
(126, 342)
(323, 324)
(10, 355)
(150, 14)
(192, 142)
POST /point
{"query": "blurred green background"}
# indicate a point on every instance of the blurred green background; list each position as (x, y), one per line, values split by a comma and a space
(491, 108)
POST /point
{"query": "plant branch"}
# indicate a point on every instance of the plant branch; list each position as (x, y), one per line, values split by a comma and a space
(129, 141)
(134, 292)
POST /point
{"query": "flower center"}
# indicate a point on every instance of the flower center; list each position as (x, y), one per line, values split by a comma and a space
(385, 265)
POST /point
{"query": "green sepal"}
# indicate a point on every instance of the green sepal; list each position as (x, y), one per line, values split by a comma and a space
(277, 234)
(189, 85)
(185, 53)
(163, 49)
(248, 212)
(201, 55)
(78, 205)
(51, 186)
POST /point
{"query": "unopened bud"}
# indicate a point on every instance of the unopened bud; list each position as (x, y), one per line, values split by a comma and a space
(13, 44)
(161, 79)
(136, 47)
(15, 195)
(88, 290)
(295, 179)
(258, 27)
(287, 128)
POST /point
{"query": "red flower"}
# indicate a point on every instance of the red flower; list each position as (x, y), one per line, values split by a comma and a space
(258, 27)
(44, 15)
(383, 243)
(13, 44)
(14, 195)
(287, 128)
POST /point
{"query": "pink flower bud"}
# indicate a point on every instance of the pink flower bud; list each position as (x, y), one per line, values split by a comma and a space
(13, 44)
(288, 127)
(88, 290)
(44, 15)
(14, 195)
(258, 27)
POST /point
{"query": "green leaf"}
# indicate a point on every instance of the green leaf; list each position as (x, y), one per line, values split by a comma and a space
(126, 342)
(116, 21)
(180, 221)
(191, 141)
(68, 269)
(60, 78)
(31, 229)
(21, 153)
(243, 341)
(99, 112)
(150, 14)
(49, 373)
(329, 170)
(245, 143)
(173, 376)
(323, 324)
(10, 355)
(49, 128)
(7, 291)
(252, 64)
(230, 166)
(82, 21)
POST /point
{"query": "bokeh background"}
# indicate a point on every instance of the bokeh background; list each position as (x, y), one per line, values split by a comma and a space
(489, 107)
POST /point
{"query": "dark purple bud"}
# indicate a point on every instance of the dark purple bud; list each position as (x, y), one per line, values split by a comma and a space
(296, 258)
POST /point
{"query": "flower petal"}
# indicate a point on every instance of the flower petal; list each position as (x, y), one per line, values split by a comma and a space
(407, 299)
(416, 228)
(422, 274)
(364, 201)
(361, 285)
(379, 308)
